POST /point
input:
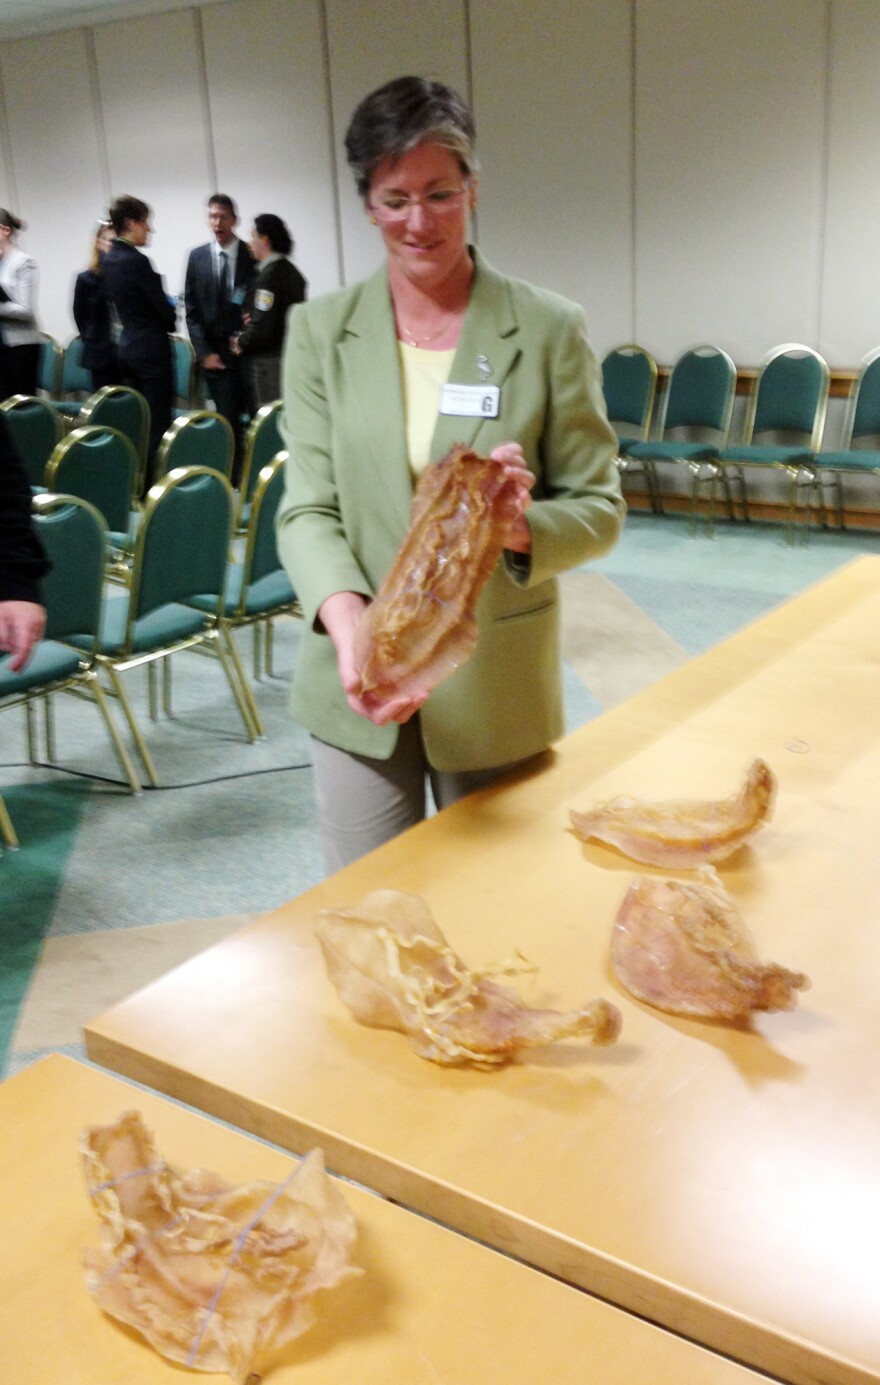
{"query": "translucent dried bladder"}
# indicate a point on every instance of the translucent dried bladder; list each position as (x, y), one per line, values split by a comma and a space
(683, 834)
(683, 946)
(421, 626)
(394, 969)
(214, 1277)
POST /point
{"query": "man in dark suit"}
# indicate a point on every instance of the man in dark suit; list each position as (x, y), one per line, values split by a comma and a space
(217, 278)
(146, 314)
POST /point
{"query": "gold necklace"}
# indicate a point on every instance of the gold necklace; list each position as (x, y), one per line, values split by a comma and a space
(410, 340)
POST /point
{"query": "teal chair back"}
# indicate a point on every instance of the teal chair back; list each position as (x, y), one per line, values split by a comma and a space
(36, 429)
(182, 544)
(629, 383)
(262, 443)
(75, 379)
(701, 391)
(184, 359)
(199, 439)
(98, 465)
(790, 395)
(49, 367)
(75, 539)
(261, 550)
(864, 408)
(123, 409)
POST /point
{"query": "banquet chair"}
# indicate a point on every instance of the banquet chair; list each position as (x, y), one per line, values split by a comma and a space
(629, 384)
(99, 465)
(258, 588)
(36, 430)
(262, 443)
(180, 552)
(860, 443)
(75, 383)
(75, 539)
(126, 410)
(186, 392)
(202, 438)
(695, 422)
(49, 368)
(786, 410)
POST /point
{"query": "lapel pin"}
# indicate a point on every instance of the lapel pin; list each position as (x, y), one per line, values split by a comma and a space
(484, 368)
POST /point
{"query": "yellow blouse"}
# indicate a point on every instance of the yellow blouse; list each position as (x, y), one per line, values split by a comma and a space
(424, 373)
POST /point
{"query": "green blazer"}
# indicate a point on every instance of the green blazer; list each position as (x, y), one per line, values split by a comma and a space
(349, 488)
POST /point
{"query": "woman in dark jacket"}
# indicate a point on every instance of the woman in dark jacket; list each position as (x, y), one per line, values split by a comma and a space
(91, 313)
(277, 286)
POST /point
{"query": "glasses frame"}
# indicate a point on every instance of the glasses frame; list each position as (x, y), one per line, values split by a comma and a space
(450, 201)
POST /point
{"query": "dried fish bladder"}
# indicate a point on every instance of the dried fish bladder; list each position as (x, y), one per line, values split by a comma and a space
(421, 625)
(684, 834)
(214, 1277)
(683, 946)
(394, 969)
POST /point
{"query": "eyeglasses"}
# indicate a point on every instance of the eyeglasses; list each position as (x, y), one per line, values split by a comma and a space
(439, 202)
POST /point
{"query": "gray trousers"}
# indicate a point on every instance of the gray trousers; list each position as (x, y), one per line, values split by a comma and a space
(364, 802)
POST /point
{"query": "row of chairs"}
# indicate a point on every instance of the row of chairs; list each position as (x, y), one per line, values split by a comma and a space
(63, 378)
(184, 593)
(783, 426)
(102, 460)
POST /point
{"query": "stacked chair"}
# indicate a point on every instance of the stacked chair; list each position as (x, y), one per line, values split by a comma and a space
(64, 661)
(36, 430)
(784, 422)
(99, 465)
(860, 452)
(180, 553)
(629, 384)
(258, 588)
(201, 438)
(697, 410)
(262, 443)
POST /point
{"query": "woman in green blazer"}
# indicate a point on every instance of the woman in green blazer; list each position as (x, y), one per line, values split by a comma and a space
(365, 370)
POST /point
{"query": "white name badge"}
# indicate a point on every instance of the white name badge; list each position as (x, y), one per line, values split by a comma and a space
(470, 401)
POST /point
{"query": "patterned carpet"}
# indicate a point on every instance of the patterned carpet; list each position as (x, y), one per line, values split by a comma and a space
(110, 891)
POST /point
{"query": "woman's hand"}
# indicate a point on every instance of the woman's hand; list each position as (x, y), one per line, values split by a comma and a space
(21, 624)
(339, 615)
(519, 535)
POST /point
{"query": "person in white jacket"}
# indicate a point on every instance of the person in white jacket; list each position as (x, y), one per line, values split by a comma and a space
(18, 309)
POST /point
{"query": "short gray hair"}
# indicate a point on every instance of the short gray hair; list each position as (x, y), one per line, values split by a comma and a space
(402, 114)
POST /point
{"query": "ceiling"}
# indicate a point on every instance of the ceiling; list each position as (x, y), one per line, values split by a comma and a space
(22, 18)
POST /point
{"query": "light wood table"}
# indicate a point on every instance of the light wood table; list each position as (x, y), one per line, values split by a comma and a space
(431, 1307)
(722, 1181)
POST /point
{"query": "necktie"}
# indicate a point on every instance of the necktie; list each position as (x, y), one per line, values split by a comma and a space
(222, 283)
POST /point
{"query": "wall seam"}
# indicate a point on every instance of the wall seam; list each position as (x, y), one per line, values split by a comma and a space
(331, 124)
(822, 249)
(98, 112)
(210, 146)
(6, 139)
(469, 97)
(633, 196)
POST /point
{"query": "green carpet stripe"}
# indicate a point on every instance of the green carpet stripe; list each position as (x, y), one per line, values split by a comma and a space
(46, 818)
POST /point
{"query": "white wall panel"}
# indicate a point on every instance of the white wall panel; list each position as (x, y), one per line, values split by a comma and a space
(152, 94)
(552, 98)
(851, 284)
(53, 134)
(729, 173)
(368, 45)
(271, 123)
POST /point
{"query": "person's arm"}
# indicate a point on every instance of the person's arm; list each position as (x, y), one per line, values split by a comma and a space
(21, 295)
(265, 330)
(22, 560)
(577, 509)
(195, 323)
(84, 294)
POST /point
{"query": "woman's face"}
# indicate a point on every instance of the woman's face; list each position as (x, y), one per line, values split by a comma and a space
(106, 238)
(5, 237)
(430, 241)
(259, 245)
